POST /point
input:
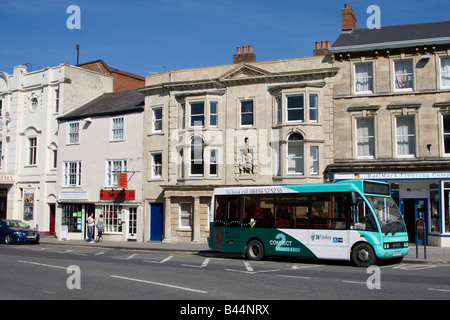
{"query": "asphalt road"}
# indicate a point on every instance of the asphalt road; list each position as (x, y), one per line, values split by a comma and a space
(81, 273)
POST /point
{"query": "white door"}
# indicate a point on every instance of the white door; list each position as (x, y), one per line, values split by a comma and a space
(132, 224)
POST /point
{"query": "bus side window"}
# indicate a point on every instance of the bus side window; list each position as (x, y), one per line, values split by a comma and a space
(233, 212)
(218, 212)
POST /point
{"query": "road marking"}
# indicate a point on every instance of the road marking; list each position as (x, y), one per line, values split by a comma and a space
(127, 258)
(102, 252)
(356, 282)
(248, 267)
(204, 264)
(297, 277)
(162, 261)
(441, 290)
(41, 264)
(158, 284)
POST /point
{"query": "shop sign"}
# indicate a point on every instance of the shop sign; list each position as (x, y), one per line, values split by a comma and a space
(117, 194)
(122, 180)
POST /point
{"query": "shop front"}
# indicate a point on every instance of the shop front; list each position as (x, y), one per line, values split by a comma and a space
(118, 208)
(420, 195)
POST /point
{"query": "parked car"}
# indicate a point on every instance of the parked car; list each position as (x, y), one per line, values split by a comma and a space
(17, 231)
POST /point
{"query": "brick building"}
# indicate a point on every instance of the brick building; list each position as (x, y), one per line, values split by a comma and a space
(122, 80)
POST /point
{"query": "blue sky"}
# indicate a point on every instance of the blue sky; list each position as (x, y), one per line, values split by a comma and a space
(142, 36)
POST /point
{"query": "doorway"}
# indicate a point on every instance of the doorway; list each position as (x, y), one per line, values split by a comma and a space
(52, 219)
(3, 199)
(132, 224)
(156, 219)
(414, 209)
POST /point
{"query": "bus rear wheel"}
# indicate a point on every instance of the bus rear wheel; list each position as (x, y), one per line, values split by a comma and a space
(254, 250)
(363, 255)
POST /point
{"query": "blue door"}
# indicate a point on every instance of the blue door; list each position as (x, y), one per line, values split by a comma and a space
(156, 218)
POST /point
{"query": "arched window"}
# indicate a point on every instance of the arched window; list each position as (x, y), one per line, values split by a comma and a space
(295, 163)
(197, 150)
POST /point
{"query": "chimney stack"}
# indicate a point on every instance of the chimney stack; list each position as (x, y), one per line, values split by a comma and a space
(322, 48)
(348, 18)
(244, 56)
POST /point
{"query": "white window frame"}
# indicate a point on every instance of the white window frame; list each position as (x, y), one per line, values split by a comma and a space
(443, 73)
(213, 162)
(367, 79)
(444, 135)
(411, 61)
(314, 160)
(297, 157)
(157, 122)
(194, 160)
(111, 175)
(157, 167)
(405, 136)
(297, 108)
(315, 109)
(67, 174)
(182, 216)
(73, 132)
(117, 133)
(371, 138)
(194, 124)
(32, 151)
(241, 114)
(213, 115)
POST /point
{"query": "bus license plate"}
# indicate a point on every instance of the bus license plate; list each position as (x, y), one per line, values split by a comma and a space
(397, 253)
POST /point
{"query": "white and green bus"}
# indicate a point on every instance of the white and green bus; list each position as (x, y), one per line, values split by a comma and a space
(353, 220)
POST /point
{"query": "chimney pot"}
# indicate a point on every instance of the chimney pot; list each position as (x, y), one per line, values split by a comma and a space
(250, 48)
(317, 45)
(244, 49)
(328, 44)
(238, 50)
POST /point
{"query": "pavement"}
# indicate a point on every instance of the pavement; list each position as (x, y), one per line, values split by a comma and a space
(434, 255)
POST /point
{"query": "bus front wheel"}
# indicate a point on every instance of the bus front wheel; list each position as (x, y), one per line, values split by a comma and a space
(363, 255)
(254, 250)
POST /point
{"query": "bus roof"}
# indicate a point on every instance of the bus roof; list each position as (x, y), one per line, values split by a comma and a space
(341, 186)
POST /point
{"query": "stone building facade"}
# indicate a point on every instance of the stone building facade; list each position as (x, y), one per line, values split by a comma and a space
(392, 116)
(248, 123)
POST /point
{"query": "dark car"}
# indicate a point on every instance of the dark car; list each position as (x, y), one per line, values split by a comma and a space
(17, 231)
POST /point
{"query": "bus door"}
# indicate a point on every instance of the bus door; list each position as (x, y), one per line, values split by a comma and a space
(233, 222)
(328, 233)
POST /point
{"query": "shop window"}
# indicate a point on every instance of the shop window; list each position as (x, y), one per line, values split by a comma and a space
(72, 217)
(113, 218)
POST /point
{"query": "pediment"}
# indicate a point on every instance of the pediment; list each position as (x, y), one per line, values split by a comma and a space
(243, 72)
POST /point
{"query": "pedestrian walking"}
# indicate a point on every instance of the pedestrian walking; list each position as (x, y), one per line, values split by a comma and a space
(91, 225)
(100, 228)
